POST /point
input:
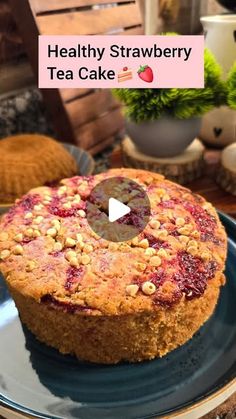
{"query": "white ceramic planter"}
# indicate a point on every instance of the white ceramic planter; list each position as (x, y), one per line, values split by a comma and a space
(165, 137)
(219, 125)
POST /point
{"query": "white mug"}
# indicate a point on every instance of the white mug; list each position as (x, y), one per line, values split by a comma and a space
(220, 38)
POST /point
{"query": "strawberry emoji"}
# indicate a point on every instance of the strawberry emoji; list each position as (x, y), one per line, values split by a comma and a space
(145, 73)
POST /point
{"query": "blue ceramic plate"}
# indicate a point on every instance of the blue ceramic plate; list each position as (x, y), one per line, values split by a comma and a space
(84, 160)
(37, 380)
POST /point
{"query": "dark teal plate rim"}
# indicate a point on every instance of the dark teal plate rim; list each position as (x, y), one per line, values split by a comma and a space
(230, 225)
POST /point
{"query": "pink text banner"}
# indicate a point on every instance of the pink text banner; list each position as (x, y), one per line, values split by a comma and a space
(108, 61)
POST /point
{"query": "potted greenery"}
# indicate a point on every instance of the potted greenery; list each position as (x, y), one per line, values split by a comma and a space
(218, 127)
(163, 122)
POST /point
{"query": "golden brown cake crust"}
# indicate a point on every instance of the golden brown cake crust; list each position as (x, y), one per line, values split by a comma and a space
(111, 339)
(31, 160)
(163, 284)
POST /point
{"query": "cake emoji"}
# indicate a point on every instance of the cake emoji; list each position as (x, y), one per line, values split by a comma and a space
(107, 302)
(31, 160)
(125, 74)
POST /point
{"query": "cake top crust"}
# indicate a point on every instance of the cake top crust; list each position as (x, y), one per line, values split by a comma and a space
(48, 251)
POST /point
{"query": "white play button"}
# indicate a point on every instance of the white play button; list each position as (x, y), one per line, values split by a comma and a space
(117, 210)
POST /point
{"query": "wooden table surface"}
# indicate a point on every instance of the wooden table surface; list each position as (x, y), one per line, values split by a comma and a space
(225, 202)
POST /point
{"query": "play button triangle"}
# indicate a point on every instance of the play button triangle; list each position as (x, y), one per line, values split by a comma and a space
(117, 210)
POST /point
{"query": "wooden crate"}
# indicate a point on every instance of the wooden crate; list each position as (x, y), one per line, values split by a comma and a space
(88, 117)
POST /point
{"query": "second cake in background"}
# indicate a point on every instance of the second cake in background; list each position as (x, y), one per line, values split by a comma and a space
(31, 160)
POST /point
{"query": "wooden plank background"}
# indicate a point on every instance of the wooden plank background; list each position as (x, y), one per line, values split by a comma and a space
(70, 94)
(79, 115)
(103, 127)
(87, 108)
(89, 22)
(42, 6)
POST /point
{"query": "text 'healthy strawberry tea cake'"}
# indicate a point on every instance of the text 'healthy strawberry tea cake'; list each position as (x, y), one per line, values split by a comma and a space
(107, 301)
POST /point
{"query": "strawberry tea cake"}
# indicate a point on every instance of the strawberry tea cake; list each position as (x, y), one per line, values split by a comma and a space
(103, 301)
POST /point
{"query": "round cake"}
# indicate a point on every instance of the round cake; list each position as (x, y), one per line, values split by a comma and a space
(31, 160)
(107, 302)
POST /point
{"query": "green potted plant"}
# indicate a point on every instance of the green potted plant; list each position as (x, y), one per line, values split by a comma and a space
(218, 127)
(163, 122)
